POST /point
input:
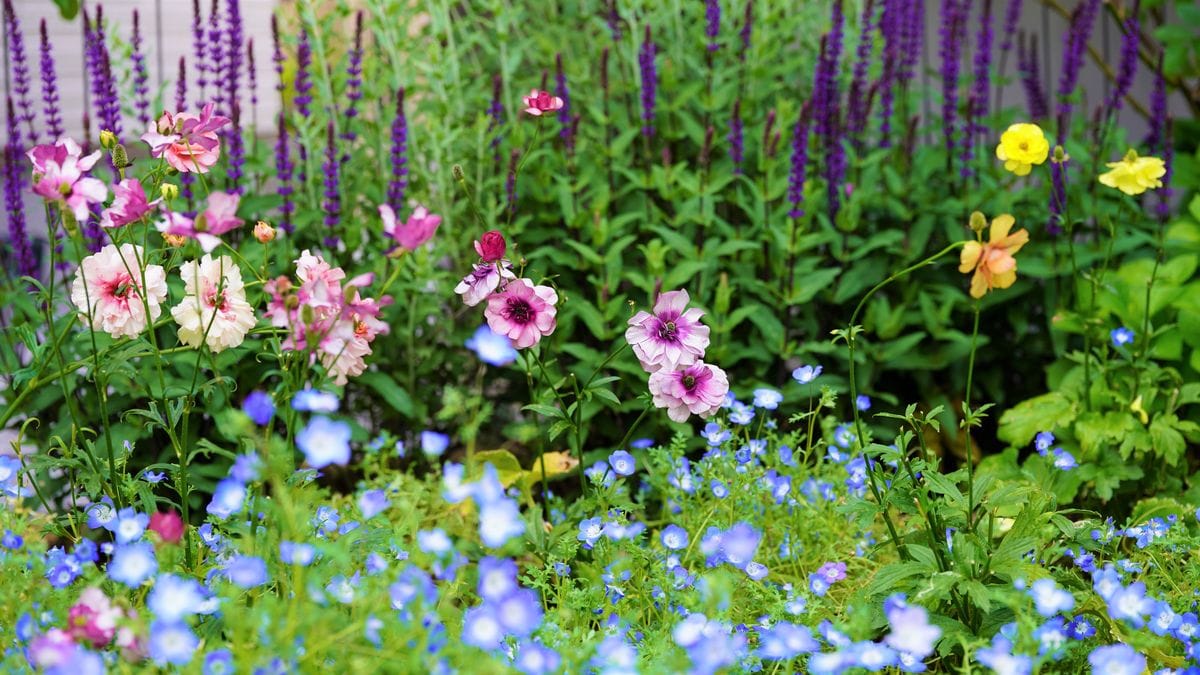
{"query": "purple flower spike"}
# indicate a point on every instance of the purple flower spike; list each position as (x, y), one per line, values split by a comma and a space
(799, 161)
(232, 85)
(17, 61)
(735, 138)
(1074, 48)
(646, 57)
(353, 83)
(977, 104)
(141, 78)
(1030, 70)
(283, 169)
(510, 183)
(304, 82)
(712, 23)
(399, 156)
(100, 74)
(251, 74)
(333, 195)
(50, 109)
(567, 131)
(185, 179)
(199, 53)
(18, 237)
(856, 107)
(1129, 63)
(1012, 17)
(216, 59)
(953, 20)
(747, 30)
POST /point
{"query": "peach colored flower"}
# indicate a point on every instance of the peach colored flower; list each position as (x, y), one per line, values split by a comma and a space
(189, 143)
(993, 261)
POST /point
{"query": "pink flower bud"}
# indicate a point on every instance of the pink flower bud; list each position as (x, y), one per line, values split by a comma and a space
(168, 525)
(538, 102)
(263, 232)
(491, 246)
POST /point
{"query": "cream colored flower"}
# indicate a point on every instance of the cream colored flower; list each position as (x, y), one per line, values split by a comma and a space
(214, 310)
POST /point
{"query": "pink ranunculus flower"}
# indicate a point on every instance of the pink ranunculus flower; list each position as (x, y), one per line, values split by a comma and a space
(58, 177)
(415, 231)
(320, 285)
(219, 218)
(697, 389)
(188, 142)
(93, 618)
(483, 281)
(129, 204)
(670, 337)
(538, 102)
(108, 290)
(523, 312)
(214, 310)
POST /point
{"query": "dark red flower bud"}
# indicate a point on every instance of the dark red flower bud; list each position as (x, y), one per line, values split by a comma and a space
(491, 246)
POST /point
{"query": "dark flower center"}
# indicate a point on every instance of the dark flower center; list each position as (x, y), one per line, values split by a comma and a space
(519, 311)
(689, 382)
(668, 331)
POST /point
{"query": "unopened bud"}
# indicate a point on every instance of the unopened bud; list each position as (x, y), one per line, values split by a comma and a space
(491, 246)
(169, 191)
(1060, 155)
(108, 140)
(457, 172)
(978, 222)
(263, 232)
(175, 240)
(120, 158)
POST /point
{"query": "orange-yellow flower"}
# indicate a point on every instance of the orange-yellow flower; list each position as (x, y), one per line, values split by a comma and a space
(993, 261)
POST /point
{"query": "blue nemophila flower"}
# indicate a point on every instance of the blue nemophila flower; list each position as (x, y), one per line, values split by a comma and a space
(325, 520)
(741, 414)
(520, 612)
(1064, 460)
(12, 540)
(375, 564)
(590, 531)
(1079, 628)
(412, 585)
(715, 434)
(785, 641)
(1051, 637)
(600, 474)
(211, 538)
(862, 402)
(872, 655)
(1129, 603)
(313, 400)
(1188, 628)
(492, 348)
(434, 542)
(739, 544)
(499, 521)
(372, 503)
(228, 498)
(999, 657)
(1106, 582)
(536, 659)
(768, 399)
(62, 575)
(175, 598)
(434, 443)
(481, 628)
(711, 645)
(622, 463)
(219, 662)
(324, 441)
(911, 632)
(1163, 619)
(259, 407)
(343, 589)
(454, 489)
(246, 571)
(719, 490)
(246, 468)
(756, 571)
(132, 564)
(1043, 441)
(641, 443)
(101, 513)
(1118, 659)
(806, 374)
(1121, 336)
(154, 477)
(10, 473)
(674, 537)
(1049, 599)
(172, 643)
(562, 569)
(843, 435)
(497, 578)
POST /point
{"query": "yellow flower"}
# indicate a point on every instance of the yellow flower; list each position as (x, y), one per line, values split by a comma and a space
(993, 261)
(1134, 175)
(1022, 146)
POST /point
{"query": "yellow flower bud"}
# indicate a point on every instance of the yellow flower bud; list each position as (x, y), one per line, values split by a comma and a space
(978, 222)
(108, 139)
(169, 191)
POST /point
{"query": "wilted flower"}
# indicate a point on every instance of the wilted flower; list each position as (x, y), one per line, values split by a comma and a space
(1022, 146)
(417, 230)
(1134, 175)
(670, 337)
(129, 204)
(108, 290)
(993, 262)
(189, 143)
(214, 310)
(58, 177)
(538, 102)
(523, 312)
(698, 389)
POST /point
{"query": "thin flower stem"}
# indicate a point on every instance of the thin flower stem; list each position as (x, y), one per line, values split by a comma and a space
(969, 451)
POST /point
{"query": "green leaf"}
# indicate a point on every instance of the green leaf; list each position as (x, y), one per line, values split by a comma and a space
(545, 410)
(1168, 442)
(391, 392)
(1048, 412)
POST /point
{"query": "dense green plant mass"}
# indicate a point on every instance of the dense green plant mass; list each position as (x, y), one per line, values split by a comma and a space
(603, 337)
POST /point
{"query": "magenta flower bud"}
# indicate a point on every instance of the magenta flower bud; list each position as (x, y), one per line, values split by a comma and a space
(491, 246)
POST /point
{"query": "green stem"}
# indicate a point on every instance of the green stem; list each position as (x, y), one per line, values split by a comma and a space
(970, 458)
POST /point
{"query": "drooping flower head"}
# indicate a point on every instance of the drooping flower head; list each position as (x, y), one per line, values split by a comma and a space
(409, 235)
(220, 217)
(539, 102)
(1134, 175)
(59, 177)
(189, 143)
(129, 204)
(214, 310)
(522, 311)
(993, 261)
(482, 281)
(108, 290)
(697, 389)
(1022, 146)
(670, 337)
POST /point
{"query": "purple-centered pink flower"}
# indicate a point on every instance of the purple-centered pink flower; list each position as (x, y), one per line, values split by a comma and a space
(483, 281)
(410, 234)
(58, 176)
(698, 389)
(219, 218)
(129, 204)
(522, 311)
(670, 337)
(188, 142)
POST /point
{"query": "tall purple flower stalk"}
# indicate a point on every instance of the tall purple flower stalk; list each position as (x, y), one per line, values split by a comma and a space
(1159, 139)
(333, 194)
(353, 83)
(712, 23)
(564, 113)
(283, 171)
(19, 65)
(826, 114)
(856, 108)
(747, 30)
(18, 237)
(304, 83)
(1129, 63)
(200, 52)
(913, 38)
(216, 60)
(1074, 50)
(953, 18)
(977, 104)
(234, 34)
(799, 161)
(1030, 70)
(50, 109)
(1012, 17)
(614, 21)
(890, 26)
(251, 74)
(496, 118)
(185, 179)
(399, 156)
(510, 183)
(100, 74)
(646, 57)
(735, 138)
(141, 77)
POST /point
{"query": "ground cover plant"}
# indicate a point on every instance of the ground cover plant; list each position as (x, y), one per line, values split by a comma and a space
(603, 337)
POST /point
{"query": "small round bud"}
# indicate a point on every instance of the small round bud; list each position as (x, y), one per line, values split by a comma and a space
(978, 222)
(1060, 155)
(175, 240)
(120, 158)
(491, 246)
(169, 191)
(457, 172)
(263, 232)
(108, 140)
